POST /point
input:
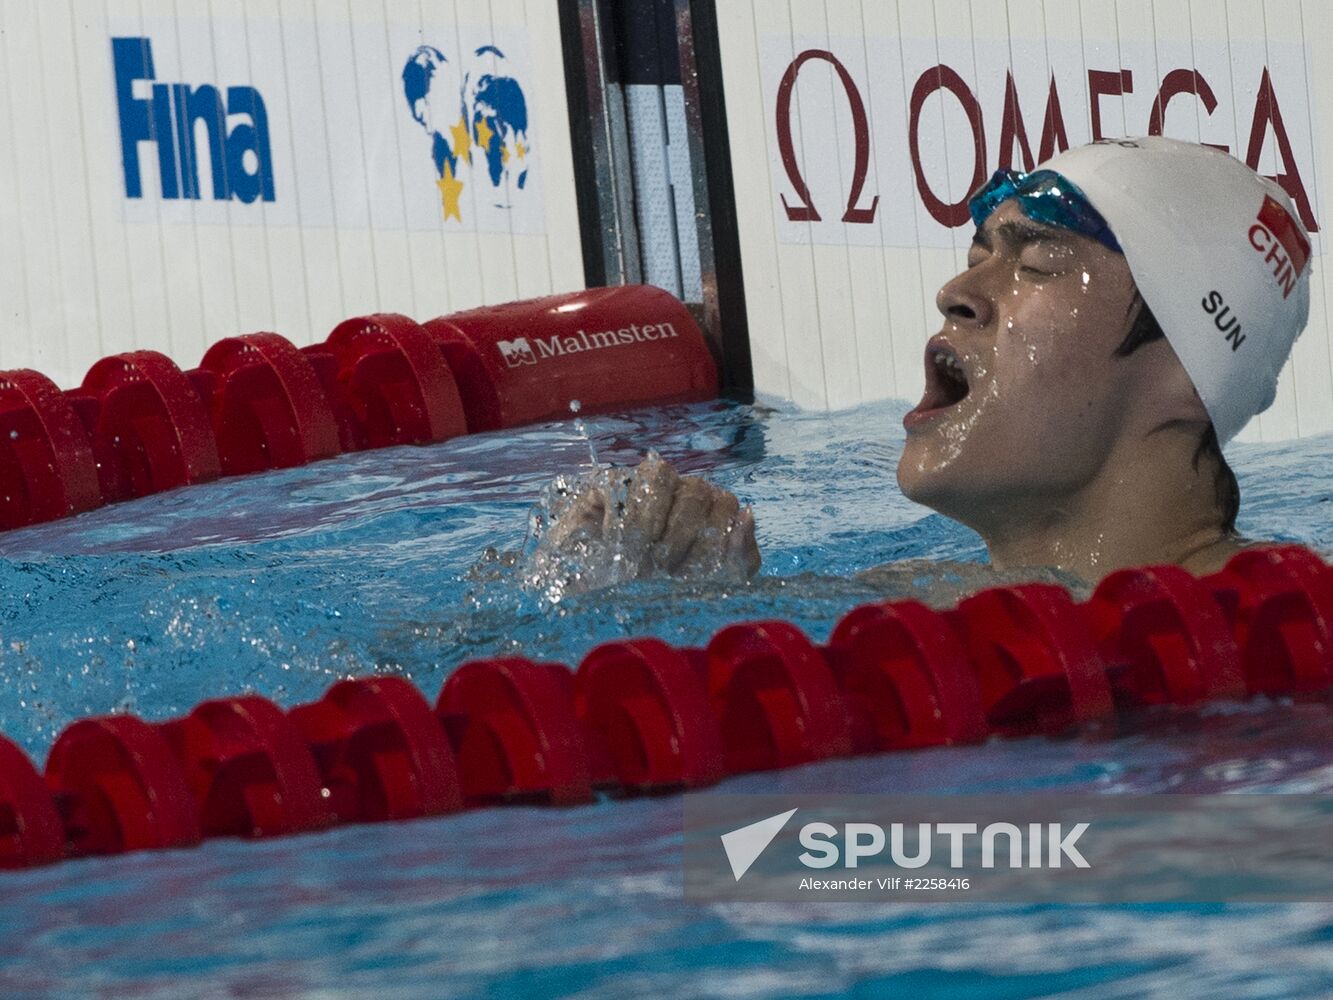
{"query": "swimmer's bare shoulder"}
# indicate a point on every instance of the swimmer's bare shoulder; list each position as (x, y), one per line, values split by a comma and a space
(937, 582)
(1214, 557)
(941, 583)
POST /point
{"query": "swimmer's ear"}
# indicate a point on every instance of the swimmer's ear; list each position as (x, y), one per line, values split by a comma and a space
(1167, 395)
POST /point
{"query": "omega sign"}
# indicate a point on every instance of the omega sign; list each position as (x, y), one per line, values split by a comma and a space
(879, 151)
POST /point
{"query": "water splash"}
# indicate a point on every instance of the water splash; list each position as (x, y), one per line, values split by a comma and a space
(576, 539)
(582, 430)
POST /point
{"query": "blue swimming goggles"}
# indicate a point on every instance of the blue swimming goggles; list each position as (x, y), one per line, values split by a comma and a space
(1046, 197)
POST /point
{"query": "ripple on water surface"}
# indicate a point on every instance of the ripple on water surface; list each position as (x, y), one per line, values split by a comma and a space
(282, 582)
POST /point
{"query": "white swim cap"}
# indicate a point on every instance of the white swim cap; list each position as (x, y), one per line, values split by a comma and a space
(1218, 253)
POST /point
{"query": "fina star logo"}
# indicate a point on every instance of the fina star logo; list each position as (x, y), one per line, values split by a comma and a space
(488, 140)
(743, 846)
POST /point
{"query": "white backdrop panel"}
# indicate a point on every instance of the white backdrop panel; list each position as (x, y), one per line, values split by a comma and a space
(178, 171)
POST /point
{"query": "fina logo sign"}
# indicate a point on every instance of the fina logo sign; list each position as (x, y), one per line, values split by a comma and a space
(478, 125)
(319, 129)
(237, 151)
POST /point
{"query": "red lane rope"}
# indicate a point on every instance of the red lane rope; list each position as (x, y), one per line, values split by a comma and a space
(641, 717)
(139, 425)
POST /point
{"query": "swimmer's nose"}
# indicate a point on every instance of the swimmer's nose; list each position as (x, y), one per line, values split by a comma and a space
(963, 305)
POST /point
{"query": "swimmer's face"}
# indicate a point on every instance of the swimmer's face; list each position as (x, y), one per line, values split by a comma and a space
(1025, 397)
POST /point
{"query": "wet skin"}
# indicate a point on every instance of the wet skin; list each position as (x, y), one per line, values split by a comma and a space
(1061, 453)
(680, 525)
(1034, 432)
(1033, 322)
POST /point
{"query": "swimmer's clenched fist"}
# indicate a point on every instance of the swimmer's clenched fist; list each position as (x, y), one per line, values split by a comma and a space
(662, 522)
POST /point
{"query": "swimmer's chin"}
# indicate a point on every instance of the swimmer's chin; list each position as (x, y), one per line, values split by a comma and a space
(924, 486)
(940, 491)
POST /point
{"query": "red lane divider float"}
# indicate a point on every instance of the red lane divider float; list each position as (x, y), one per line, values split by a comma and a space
(1280, 605)
(46, 461)
(119, 788)
(641, 717)
(381, 753)
(513, 726)
(267, 405)
(148, 426)
(645, 706)
(1170, 637)
(775, 698)
(393, 383)
(1035, 659)
(906, 679)
(250, 771)
(30, 828)
(139, 425)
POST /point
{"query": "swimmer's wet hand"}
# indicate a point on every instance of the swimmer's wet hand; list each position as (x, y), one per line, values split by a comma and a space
(658, 521)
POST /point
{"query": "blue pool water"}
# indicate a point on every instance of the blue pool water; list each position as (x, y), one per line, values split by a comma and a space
(281, 583)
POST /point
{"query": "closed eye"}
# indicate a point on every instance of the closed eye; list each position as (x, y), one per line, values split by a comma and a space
(1045, 258)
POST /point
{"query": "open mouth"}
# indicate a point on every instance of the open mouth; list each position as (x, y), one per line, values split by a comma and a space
(946, 381)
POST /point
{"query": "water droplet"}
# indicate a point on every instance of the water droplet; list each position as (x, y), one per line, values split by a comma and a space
(582, 430)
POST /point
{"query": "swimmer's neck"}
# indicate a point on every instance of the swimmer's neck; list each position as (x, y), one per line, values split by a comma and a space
(1148, 505)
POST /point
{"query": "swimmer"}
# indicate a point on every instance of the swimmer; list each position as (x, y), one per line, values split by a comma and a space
(1125, 311)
